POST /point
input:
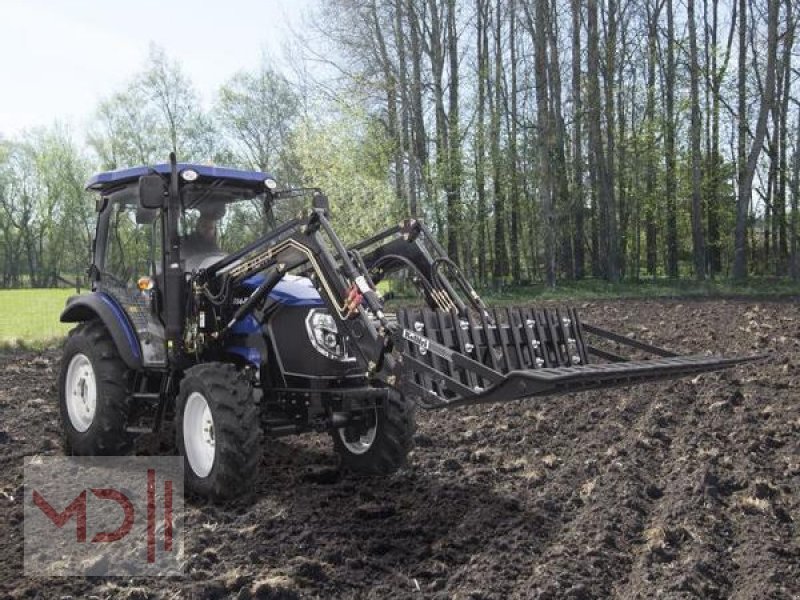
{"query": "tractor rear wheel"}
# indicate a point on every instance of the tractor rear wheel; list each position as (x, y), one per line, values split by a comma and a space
(93, 393)
(217, 429)
(380, 443)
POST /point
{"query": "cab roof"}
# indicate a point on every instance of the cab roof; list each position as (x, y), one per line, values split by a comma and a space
(111, 180)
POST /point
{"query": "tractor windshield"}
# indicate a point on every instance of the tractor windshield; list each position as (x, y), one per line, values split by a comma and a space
(286, 207)
(220, 219)
(223, 218)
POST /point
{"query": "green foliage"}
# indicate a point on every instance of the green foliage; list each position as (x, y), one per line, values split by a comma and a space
(154, 114)
(258, 112)
(46, 218)
(342, 158)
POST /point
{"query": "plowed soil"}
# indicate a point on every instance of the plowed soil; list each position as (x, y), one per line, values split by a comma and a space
(685, 489)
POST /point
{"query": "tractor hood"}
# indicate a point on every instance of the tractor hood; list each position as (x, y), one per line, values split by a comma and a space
(291, 290)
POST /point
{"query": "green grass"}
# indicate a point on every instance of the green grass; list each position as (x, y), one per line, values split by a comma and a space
(29, 318)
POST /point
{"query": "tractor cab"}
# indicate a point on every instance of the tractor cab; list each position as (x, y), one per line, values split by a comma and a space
(142, 236)
(221, 210)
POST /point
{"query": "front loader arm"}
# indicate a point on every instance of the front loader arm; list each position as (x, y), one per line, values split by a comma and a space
(444, 355)
(411, 246)
(307, 243)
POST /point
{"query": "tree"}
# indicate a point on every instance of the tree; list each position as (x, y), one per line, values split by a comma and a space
(607, 216)
(747, 167)
(170, 92)
(698, 240)
(154, 114)
(651, 227)
(500, 269)
(341, 150)
(669, 147)
(258, 111)
(544, 126)
(125, 131)
(46, 216)
(578, 201)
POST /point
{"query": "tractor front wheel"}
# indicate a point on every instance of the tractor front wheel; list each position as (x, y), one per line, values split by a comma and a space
(93, 393)
(379, 442)
(217, 429)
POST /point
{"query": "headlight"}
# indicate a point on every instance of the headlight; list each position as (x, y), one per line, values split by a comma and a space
(324, 336)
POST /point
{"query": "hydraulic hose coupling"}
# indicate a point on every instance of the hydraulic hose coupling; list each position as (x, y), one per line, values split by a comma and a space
(352, 301)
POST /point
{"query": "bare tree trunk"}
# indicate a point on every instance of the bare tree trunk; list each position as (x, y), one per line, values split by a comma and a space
(500, 252)
(480, 133)
(620, 171)
(453, 187)
(770, 209)
(742, 204)
(418, 117)
(577, 151)
(606, 241)
(715, 160)
(544, 124)
(747, 170)
(698, 239)
(437, 59)
(390, 83)
(558, 154)
(783, 118)
(651, 229)
(405, 117)
(669, 143)
(516, 269)
(794, 258)
(608, 208)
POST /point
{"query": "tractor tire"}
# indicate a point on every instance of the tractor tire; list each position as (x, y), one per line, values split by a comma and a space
(218, 431)
(384, 447)
(93, 394)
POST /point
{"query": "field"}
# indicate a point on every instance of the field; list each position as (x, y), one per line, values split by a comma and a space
(686, 489)
(30, 317)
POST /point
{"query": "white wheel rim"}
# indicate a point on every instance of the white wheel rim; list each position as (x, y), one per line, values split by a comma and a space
(198, 434)
(363, 443)
(80, 390)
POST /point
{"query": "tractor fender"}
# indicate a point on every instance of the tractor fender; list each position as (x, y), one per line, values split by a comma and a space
(99, 305)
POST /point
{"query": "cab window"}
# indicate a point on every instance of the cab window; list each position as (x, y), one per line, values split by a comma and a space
(133, 246)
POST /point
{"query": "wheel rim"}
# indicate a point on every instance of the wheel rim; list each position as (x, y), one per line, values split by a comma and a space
(80, 391)
(198, 434)
(364, 442)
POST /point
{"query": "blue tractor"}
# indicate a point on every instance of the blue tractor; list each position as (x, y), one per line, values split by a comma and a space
(232, 310)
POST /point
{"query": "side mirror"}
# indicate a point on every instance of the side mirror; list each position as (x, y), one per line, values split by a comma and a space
(152, 191)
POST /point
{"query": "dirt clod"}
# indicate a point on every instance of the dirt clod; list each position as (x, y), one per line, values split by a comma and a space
(372, 511)
(276, 587)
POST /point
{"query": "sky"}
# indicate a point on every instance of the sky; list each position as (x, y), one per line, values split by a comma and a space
(61, 57)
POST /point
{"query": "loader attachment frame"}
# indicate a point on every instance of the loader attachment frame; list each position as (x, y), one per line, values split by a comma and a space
(524, 354)
(453, 352)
